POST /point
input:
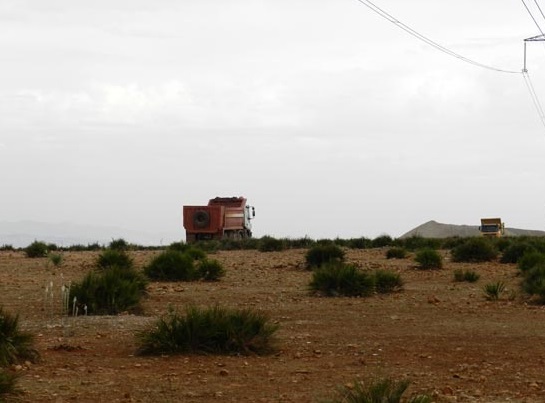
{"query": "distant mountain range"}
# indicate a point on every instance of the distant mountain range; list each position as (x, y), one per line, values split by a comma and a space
(20, 234)
(433, 229)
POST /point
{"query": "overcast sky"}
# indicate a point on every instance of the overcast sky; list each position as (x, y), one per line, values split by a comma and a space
(328, 118)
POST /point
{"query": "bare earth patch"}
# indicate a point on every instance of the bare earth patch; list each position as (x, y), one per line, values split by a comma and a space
(443, 336)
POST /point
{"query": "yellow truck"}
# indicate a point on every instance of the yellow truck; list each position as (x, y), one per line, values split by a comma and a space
(492, 227)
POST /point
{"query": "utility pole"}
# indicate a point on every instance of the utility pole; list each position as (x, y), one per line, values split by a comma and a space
(538, 38)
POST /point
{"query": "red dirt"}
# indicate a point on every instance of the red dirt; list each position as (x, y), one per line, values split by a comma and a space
(443, 336)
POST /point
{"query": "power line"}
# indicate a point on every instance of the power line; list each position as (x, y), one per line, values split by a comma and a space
(531, 15)
(534, 96)
(539, 8)
(427, 40)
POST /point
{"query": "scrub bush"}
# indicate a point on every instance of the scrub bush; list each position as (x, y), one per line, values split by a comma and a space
(469, 276)
(8, 384)
(429, 259)
(172, 265)
(529, 260)
(382, 241)
(15, 345)
(110, 291)
(36, 249)
(379, 391)
(337, 279)
(474, 250)
(534, 282)
(515, 251)
(493, 291)
(210, 270)
(387, 281)
(119, 244)
(270, 244)
(322, 254)
(213, 330)
(396, 253)
(114, 258)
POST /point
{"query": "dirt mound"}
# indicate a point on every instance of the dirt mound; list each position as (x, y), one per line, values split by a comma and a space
(434, 229)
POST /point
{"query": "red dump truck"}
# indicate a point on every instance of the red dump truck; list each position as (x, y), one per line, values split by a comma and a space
(223, 217)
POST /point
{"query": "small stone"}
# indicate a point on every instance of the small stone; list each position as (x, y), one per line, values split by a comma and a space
(447, 390)
(224, 372)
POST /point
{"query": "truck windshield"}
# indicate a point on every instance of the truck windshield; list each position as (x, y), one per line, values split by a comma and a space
(489, 228)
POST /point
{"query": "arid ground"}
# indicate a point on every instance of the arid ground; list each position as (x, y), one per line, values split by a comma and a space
(443, 336)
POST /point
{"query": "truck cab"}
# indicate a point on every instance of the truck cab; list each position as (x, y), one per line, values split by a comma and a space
(492, 227)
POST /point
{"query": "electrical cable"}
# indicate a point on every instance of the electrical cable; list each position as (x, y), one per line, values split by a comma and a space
(534, 96)
(539, 8)
(531, 15)
(428, 41)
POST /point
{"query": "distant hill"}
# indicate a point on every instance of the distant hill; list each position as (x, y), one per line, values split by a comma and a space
(433, 229)
(20, 234)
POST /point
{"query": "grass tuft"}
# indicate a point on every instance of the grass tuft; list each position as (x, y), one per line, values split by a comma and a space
(15, 345)
(212, 330)
(337, 279)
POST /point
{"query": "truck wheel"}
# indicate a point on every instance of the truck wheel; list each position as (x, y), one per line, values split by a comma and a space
(201, 219)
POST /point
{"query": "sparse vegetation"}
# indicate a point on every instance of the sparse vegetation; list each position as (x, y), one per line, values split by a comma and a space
(338, 279)
(529, 260)
(514, 251)
(110, 291)
(534, 282)
(493, 291)
(56, 259)
(119, 244)
(15, 345)
(382, 241)
(475, 250)
(213, 330)
(210, 270)
(8, 384)
(470, 276)
(36, 249)
(429, 259)
(322, 254)
(396, 253)
(378, 391)
(172, 265)
(387, 281)
(270, 244)
(114, 258)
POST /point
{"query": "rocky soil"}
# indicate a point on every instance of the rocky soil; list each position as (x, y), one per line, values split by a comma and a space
(443, 336)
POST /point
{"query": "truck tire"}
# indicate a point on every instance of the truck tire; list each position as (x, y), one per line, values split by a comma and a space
(201, 219)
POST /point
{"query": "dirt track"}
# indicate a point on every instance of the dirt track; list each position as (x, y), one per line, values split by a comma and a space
(443, 336)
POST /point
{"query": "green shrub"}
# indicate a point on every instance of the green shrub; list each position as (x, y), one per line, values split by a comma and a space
(429, 259)
(8, 384)
(56, 259)
(418, 242)
(15, 345)
(196, 253)
(379, 391)
(469, 276)
(300, 243)
(382, 241)
(213, 330)
(270, 244)
(529, 260)
(210, 270)
(337, 279)
(534, 281)
(114, 258)
(493, 291)
(36, 249)
(396, 253)
(474, 250)
(515, 251)
(111, 291)
(172, 265)
(387, 281)
(322, 254)
(7, 247)
(359, 243)
(179, 246)
(119, 244)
